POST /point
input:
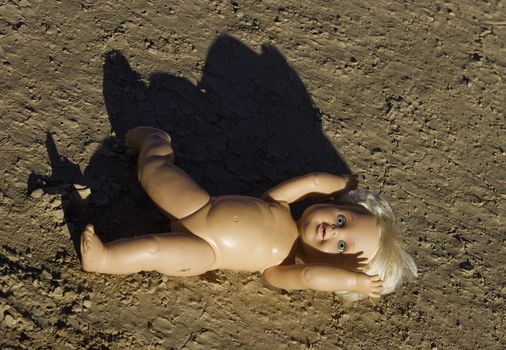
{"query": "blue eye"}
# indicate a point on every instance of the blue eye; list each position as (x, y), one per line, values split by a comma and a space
(341, 245)
(340, 220)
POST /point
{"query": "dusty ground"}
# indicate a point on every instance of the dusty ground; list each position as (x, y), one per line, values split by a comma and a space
(409, 95)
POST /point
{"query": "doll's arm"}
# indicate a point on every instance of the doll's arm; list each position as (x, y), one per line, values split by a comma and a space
(314, 183)
(323, 277)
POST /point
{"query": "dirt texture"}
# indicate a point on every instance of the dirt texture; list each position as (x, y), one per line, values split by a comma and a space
(408, 95)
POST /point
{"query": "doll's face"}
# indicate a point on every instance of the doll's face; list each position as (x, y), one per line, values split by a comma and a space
(345, 229)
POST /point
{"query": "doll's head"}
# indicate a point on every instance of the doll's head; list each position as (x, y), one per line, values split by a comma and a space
(340, 229)
(360, 221)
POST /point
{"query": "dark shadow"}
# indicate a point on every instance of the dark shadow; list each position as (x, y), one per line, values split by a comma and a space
(246, 126)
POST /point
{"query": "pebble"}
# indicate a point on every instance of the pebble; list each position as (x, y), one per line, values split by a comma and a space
(47, 274)
(84, 192)
(70, 294)
(9, 320)
(58, 292)
(37, 193)
(87, 304)
(466, 265)
(38, 311)
(92, 147)
(68, 345)
(24, 3)
(160, 324)
(22, 186)
(125, 299)
(70, 124)
(344, 319)
(56, 202)
(58, 214)
(12, 256)
(3, 309)
(77, 308)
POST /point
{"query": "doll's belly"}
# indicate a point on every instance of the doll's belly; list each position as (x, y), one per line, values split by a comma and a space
(245, 253)
(246, 233)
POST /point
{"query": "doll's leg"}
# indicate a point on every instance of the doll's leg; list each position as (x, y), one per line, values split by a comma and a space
(174, 254)
(172, 190)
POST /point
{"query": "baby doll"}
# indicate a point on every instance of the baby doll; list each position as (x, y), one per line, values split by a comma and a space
(351, 247)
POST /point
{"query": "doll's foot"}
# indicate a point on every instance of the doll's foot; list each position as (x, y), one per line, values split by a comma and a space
(135, 137)
(92, 250)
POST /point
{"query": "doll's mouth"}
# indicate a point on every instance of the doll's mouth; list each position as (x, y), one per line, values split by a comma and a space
(321, 231)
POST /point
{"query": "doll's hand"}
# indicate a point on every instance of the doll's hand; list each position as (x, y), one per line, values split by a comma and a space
(351, 182)
(369, 285)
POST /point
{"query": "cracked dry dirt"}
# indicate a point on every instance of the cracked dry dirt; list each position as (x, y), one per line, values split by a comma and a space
(408, 95)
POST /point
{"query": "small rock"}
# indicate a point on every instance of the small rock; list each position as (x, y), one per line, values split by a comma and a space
(473, 198)
(160, 324)
(466, 265)
(3, 309)
(12, 256)
(92, 147)
(84, 192)
(87, 304)
(79, 187)
(44, 323)
(70, 124)
(476, 57)
(36, 194)
(22, 186)
(376, 150)
(77, 308)
(38, 311)
(55, 202)
(70, 294)
(9, 320)
(344, 319)
(47, 275)
(59, 214)
(58, 292)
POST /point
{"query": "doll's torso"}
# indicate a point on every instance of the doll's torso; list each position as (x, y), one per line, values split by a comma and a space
(246, 233)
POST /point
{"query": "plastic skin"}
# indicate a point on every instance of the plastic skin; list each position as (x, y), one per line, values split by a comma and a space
(241, 232)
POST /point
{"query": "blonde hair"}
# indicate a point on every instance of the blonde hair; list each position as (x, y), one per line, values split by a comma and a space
(391, 262)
